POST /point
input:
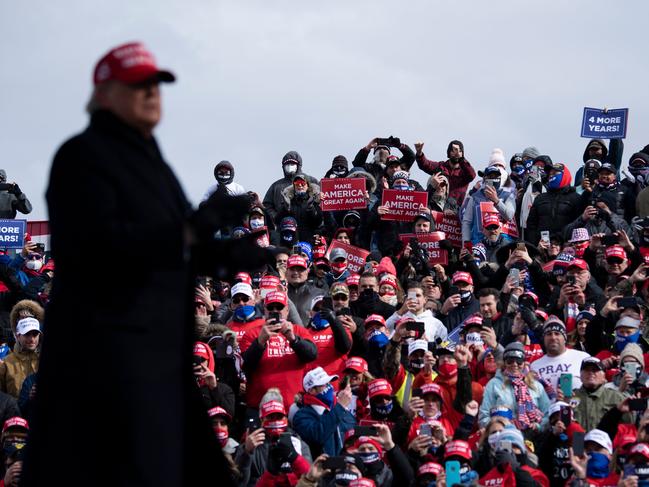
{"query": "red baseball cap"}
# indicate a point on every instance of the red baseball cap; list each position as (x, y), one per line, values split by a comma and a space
(458, 448)
(269, 282)
(356, 363)
(278, 297)
(578, 263)
(353, 280)
(462, 276)
(243, 277)
(271, 407)
(14, 422)
(296, 261)
(218, 411)
(362, 482)
(640, 449)
(489, 219)
(388, 279)
(431, 388)
(375, 317)
(430, 467)
(130, 63)
(202, 350)
(626, 434)
(615, 251)
(379, 387)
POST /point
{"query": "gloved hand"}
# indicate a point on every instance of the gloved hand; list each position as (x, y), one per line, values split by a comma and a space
(505, 457)
(281, 456)
(328, 315)
(15, 190)
(529, 317)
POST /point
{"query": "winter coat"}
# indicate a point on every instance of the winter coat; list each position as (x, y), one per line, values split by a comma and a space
(15, 368)
(301, 295)
(501, 393)
(233, 189)
(129, 193)
(306, 210)
(458, 178)
(552, 211)
(11, 203)
(322, 428)
(472, 216)
(273, 198)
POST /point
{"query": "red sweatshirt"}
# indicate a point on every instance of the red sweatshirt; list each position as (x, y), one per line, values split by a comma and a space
(279, 367)
(329, 358)
(241, 328)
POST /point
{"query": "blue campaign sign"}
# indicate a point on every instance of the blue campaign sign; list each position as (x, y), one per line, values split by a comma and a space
(600, 124)
(12, 233)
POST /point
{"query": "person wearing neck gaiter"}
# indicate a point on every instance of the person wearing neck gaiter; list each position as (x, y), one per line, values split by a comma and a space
(594, 468)
(592, 399)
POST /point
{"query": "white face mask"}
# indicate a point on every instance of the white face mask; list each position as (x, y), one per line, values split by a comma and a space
(473, 338)
(256, 223)
(34, 265)
(290, 168)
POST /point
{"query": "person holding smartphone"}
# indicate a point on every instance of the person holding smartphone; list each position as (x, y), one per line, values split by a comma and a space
(276, 353)
(12, 199)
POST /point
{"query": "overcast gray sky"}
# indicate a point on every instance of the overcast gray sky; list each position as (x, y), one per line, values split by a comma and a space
(259, 78)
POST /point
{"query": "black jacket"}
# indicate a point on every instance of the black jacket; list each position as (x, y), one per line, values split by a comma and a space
(552, 211)
(133, 321)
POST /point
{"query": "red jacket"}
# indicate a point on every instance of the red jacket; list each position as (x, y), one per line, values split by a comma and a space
(458, 179)
(279, 367)
(241, 328)
(418, 421)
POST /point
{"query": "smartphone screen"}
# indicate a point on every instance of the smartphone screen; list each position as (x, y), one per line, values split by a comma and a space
(545, 235)
(425, 430)
(637, 404)
(412, 295)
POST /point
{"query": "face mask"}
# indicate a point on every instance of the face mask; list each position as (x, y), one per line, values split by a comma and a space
(580, 248)
(339, 171)
(384, 409)
(318, 322)
(474, 338)
(468, 476)
(275, 428)
(256, 224)
(223, 178)
(465, 297)
(392, 299)
(597, 466)
(372, 462)
(327, 396)
(606, 186)
(222, 435)
(338, 267)
(518, 171)
(344, 477)
(554, 182)
(300, 192)
(34, 265)
(289, 169)
(401, 187)
(621, 342)
(416, 364)
(447, 369)
(244, 313)
(377, 339)
(288, 237)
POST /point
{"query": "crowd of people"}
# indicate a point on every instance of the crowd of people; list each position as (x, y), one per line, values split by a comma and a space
(520, 361)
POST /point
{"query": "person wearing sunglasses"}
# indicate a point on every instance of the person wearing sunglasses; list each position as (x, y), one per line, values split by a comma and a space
(515, 387)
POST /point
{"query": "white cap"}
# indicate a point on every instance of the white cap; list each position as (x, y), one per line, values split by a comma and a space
(601, 438)
(241, 288)
(317, 377)
(26, 325)
(415, 345)
(555, 407)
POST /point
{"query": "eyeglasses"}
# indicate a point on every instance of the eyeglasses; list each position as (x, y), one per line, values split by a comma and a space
(240, 298)
(614, 261)
(275, 307)
(34, 257)
(340, 297)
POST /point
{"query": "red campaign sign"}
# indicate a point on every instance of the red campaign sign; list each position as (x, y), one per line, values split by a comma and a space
(355, 256)
(403, 205)
(509, 227)
(450, 225)
(429, 241)
(342, 194)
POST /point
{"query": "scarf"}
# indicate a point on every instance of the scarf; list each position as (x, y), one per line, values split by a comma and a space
(528, 412)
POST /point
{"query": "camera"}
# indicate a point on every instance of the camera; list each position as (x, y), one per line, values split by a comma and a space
(419, 259)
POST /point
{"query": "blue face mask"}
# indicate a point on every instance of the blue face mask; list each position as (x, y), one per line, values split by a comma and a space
(621, 342)
(468, 477)
(597, 466)
(554, 182)
(244, 313)
(327, 396)
(384, 409)
(518, 170)
(318, 322)
(378, 339)
(401, 187)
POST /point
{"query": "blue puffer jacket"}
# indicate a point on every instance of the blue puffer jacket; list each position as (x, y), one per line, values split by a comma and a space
(499, 393)
(321, 428)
